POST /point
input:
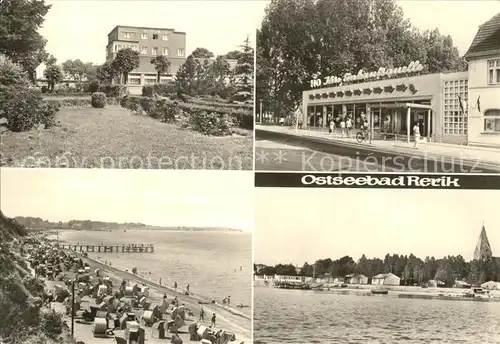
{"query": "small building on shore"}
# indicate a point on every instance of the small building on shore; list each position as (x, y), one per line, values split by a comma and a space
(356, 279)
(461, 284)
(386, 279)
(491, 285)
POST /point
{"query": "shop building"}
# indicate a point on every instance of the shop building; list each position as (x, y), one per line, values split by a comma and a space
(461, 107)
(393, 106)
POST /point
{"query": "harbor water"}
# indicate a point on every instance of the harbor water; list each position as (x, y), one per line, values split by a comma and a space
(214, 264)
(295, 316)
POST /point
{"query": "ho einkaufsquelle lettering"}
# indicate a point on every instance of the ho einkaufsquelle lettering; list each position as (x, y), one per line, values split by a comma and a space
(413, 67)
(401, 181)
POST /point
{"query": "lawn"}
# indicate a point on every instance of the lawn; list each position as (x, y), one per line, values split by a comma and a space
(115, 138)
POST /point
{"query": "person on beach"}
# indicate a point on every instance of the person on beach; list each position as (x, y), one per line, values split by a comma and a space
(175, 286)
(342, 127)
(160, 281)
(224, 301)
(416, 134)
(228, 300)
(187, 288)
(213, 320)
(202, 315)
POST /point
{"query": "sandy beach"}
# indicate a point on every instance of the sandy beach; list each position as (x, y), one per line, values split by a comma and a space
(228, 318)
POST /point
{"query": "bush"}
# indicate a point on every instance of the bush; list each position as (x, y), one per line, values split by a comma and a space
(92, 87)
(111, 90)
(147, 104)
(211, 123)
(11, 74)
(164, 89)
(24, 108)
(45, 89)
(130, 103)
(98, 100)
(52, 324)
(163, 110)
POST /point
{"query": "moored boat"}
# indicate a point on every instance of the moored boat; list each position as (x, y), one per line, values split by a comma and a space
(380, 291)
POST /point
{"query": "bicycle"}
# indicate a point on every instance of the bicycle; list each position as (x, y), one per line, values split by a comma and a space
(362, 136)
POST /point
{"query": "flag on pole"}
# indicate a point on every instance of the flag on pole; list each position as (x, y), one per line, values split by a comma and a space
(478, 103)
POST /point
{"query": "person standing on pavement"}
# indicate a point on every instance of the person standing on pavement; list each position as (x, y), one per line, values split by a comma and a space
(342, 127)
(202, 315)
(213, 320)
(332, 126)
(348, 124)
(416, 134)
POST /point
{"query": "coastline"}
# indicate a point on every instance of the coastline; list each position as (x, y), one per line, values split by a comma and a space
(454, 294)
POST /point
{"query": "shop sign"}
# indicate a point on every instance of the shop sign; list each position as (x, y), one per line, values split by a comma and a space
(382, 72)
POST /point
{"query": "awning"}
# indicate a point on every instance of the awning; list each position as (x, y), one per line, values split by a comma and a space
(401, 106)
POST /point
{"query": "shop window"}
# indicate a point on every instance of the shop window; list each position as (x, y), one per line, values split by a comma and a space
(492, 120)
(494, 72)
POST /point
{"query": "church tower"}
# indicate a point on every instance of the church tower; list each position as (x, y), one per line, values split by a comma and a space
(483, 248)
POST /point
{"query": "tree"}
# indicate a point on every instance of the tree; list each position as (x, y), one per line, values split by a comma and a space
(162, 65)
(54, 75)
(19, 24)
(220, 72)
(107, 72)
(126, 60)
(31, 60)
(233, 55)
(303, 39)
(77, 69)
(202, 53)
(187, 75)
(244, 73)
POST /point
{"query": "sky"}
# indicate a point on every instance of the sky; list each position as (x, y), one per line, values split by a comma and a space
(458, 18)
(78, 29)
(168, 198)
(303, 225)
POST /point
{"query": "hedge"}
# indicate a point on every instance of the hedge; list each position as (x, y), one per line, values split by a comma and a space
(79, 102)
(215, 103)
(242, 118)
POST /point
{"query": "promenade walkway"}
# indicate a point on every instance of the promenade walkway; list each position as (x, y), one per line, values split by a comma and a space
(484, 155)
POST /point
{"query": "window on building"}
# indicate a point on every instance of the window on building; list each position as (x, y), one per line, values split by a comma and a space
(144, 36)
(149, 81)
(492, 120)
(494, 72)
(155, 36)
(165, 37)
(144, 50)
(180, 52)
(134, 80)
(165, 51)
(129, 35)
(455, 116)
(154, 51)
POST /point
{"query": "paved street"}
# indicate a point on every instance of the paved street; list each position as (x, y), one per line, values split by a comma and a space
(278, 150)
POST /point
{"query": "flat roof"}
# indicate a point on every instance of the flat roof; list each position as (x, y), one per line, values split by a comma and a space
(145, 28)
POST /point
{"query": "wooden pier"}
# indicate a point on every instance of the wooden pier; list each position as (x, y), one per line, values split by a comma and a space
(109, 248)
